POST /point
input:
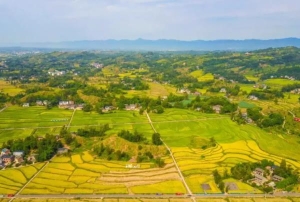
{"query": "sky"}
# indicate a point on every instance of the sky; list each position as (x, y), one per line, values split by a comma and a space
(26, 21)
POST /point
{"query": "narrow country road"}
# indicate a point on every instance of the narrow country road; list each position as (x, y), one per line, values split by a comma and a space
(29, 181)
(71, 119)
(168, 196)
(175, 163)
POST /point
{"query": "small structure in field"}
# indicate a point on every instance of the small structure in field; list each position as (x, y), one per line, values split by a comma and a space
(25, 104)
(223, 90)
(62, 150)
(132, 107)
(253, 97)
(217, 108)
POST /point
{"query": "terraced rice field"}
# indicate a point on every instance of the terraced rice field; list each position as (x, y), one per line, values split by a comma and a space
(12, 180)
(235, 144)
(106, 200)
(80, 174)
(162, 200)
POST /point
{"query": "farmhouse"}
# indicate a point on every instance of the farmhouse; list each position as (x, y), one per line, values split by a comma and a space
(277, 178)
(184, 90)
(5, 151)
(7, 159)
(56, 73)
(217, 108)
(223, 90)
(19, 160)
(97, 65)
(70, 105)
(107, 108)
(296, 91)
(18, 153)
(259, 179)
(41, 103)
(25, 105)
(259, 171)
(253, 97)
(31, 158)
(62, 150)
(132, 107)
(66, 104)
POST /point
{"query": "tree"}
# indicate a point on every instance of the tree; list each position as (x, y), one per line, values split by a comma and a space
(68, 138)
(87, 108)
(283, 164)
(156, 139)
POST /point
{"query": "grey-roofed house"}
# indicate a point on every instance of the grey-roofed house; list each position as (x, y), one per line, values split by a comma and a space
(5, 151)
(259, 179)
(277, 178)
(7, 159)
(62, 150)
(18, 153)
(217, 108)
(259, 171)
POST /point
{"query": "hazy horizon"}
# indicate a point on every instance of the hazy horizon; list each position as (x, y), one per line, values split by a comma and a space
(36, 21)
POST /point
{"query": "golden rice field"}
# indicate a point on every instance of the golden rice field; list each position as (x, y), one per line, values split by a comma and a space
(82, 174)
(160, 200)
(6, 87)
(197, 164)
(12, 180)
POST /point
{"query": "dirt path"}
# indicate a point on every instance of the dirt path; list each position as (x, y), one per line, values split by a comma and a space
(4, 108)
(71, 119)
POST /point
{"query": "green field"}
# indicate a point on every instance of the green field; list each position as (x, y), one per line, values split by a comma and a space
(18, 122)
(20, 117)
(279, 82)
(199, 74)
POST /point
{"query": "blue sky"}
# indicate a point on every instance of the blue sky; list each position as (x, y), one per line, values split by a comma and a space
(68, 20)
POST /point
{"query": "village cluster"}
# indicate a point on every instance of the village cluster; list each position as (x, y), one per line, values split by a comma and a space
(8, 158)
(266, 177)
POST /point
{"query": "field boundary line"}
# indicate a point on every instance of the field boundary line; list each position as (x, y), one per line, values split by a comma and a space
(114, 124)
(25, 185)
(4, 108)
(71, 119)
(292, 114)
(175, 163)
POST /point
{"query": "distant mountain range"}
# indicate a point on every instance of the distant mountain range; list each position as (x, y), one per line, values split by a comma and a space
(170, 45)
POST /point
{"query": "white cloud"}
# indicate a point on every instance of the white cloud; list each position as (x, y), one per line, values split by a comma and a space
(57, 20)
